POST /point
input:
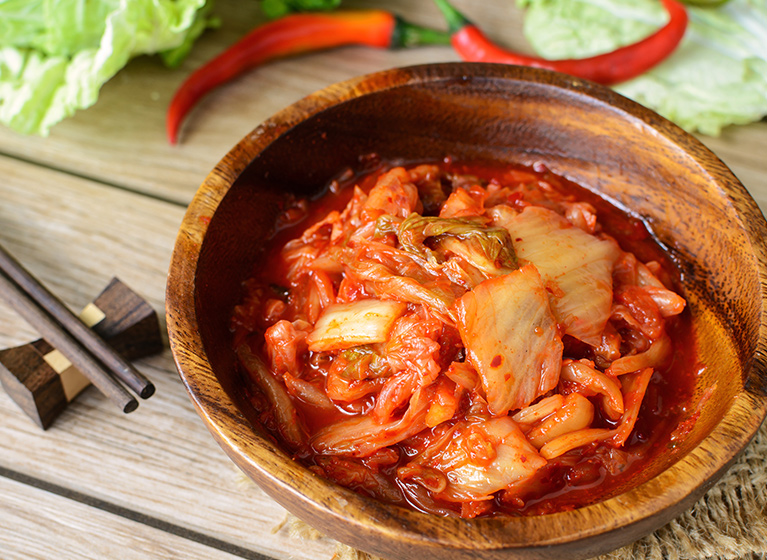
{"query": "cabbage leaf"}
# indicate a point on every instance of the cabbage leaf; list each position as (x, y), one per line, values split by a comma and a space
(56, 54)
(717, 76)
(511, 338)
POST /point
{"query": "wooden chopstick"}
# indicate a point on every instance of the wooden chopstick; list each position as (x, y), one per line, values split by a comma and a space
(64, 330)
(66, 344)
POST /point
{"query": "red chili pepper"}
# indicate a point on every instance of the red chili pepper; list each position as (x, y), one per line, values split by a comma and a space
(296, 34)
(609, 68)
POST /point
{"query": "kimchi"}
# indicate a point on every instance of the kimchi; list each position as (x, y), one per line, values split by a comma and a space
(462, 339)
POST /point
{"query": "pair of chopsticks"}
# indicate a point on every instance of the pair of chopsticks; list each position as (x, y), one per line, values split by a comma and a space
(87, 351)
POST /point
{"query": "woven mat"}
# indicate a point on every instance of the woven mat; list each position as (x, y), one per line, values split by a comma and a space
(729, 522)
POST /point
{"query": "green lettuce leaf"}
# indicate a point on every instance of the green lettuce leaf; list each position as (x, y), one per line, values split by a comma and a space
(56, 54)
(717, 76)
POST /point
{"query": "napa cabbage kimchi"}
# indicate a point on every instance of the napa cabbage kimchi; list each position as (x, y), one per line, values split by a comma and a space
(461, 339)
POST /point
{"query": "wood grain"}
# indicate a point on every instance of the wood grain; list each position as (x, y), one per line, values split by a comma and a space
(133, 103)
(43, 385)
(84, 532)
(131, 106)
(744, 150)
(169, 467)
(36, 315)
(104, 195)
(480, 112)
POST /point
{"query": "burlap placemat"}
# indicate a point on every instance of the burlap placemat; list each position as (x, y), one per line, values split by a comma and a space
(729, 522)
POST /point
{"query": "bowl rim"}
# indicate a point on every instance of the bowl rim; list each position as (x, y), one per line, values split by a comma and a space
(683, 482)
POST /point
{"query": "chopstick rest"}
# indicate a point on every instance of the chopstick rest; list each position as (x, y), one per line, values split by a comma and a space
(43, 382)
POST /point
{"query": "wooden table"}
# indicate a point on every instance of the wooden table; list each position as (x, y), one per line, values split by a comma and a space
(103, 196)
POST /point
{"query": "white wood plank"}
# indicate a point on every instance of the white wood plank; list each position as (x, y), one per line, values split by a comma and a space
(121, 139)
(79, 235)
(160, 460)
(39, 525)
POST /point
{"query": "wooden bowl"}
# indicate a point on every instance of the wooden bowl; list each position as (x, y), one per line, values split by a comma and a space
(628, 154)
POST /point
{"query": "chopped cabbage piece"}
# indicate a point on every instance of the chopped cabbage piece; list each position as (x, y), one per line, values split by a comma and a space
(484, 457)
(343, 325)
(361, 436)
(511, 338)
(288, 421)
(577, 268)
(486, 247)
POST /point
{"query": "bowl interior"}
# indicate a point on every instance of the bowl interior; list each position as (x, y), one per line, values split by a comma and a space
(631, 157)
